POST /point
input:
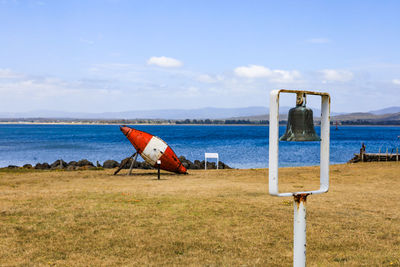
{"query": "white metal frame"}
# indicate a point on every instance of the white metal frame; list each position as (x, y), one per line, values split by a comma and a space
(210, 156)
(300, 198)
(274, 142)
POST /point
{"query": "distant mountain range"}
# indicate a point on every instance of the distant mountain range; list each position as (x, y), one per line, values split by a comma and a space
(256, 113)
(166, 114)
(385, 111)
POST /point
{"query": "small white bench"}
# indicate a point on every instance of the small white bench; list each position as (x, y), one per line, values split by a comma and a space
(210, 156)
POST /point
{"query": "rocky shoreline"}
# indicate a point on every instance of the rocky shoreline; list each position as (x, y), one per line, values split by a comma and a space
(85, 164)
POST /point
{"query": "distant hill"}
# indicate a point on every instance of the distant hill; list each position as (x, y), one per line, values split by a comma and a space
(368, 118)
(173, 114)
(385, 110)
(256, 114)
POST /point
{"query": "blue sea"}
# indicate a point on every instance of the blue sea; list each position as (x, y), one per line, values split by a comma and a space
(238, 146)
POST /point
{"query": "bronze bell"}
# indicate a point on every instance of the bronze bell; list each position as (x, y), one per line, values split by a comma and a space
(300, 126)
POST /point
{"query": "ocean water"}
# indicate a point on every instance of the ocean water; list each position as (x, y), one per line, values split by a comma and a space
(238, 146)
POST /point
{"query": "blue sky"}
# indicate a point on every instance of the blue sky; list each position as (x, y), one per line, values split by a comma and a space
(97, 56)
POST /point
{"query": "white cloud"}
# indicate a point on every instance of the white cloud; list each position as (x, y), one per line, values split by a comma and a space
(396, 81)
(8, 74)
(284, 76)
(318, 40)
(252, 71)
(330, 75)
(166, 62)
(205, 78)
(257, 71)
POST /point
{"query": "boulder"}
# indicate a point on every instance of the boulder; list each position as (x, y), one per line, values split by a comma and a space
(197, 165)
(27, 166)
(86, 167)
(73, 163)
(12, 167)
(222, 165)
(71, 168)
(146, 166)
(211, 165)
(58, 164)
(109, 164)
(42, 166)
(84, 162)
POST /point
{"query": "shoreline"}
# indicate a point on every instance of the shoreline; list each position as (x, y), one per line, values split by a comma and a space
(173, 124)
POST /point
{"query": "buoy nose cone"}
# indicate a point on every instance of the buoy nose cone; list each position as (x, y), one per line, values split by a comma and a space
(124, 129)
(182, 169)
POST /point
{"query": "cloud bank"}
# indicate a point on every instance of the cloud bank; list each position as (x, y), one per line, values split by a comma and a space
(331, 75)
(165, 62)
(257, 71)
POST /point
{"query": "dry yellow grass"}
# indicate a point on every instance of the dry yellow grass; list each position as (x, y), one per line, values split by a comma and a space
(216, 217)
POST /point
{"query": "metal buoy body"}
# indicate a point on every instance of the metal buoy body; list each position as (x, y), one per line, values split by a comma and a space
(154, 149)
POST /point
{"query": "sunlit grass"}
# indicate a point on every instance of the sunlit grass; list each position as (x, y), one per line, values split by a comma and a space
(223, 217)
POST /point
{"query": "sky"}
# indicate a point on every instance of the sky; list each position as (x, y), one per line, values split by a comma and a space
(108, 56)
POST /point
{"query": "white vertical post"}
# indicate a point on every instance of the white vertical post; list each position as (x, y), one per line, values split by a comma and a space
(324, 145)
(299, 223)
(273, 142)
(299, 231)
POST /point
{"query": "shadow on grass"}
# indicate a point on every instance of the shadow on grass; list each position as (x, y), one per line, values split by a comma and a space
(154, 173)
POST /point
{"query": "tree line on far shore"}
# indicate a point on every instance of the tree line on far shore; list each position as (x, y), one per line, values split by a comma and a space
(191, 121)
(208, 121)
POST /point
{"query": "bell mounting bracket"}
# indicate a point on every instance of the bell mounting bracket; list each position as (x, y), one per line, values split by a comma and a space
(274, 142)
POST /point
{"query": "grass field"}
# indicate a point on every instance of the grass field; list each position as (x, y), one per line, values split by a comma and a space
(214, 218)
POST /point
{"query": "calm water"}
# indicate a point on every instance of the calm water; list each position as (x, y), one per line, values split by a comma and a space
(238, 146)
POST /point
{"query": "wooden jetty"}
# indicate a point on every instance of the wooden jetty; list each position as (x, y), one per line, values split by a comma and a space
(368, 157)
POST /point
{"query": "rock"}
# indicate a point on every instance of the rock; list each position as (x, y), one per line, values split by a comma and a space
(197, 165)
(58, 164)
(109, 164)
(222, 165)
(27, 166)
(86, 167)
(42, 166)
(211, 165)
(146, 166)
(73, 163)
(84, 162)
(12, 167)
(186, 165)
(139, 164)
(98, 165)
(202, 164)
(71, 168)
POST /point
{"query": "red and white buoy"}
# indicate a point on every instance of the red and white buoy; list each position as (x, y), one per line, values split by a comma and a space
(153, 149)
